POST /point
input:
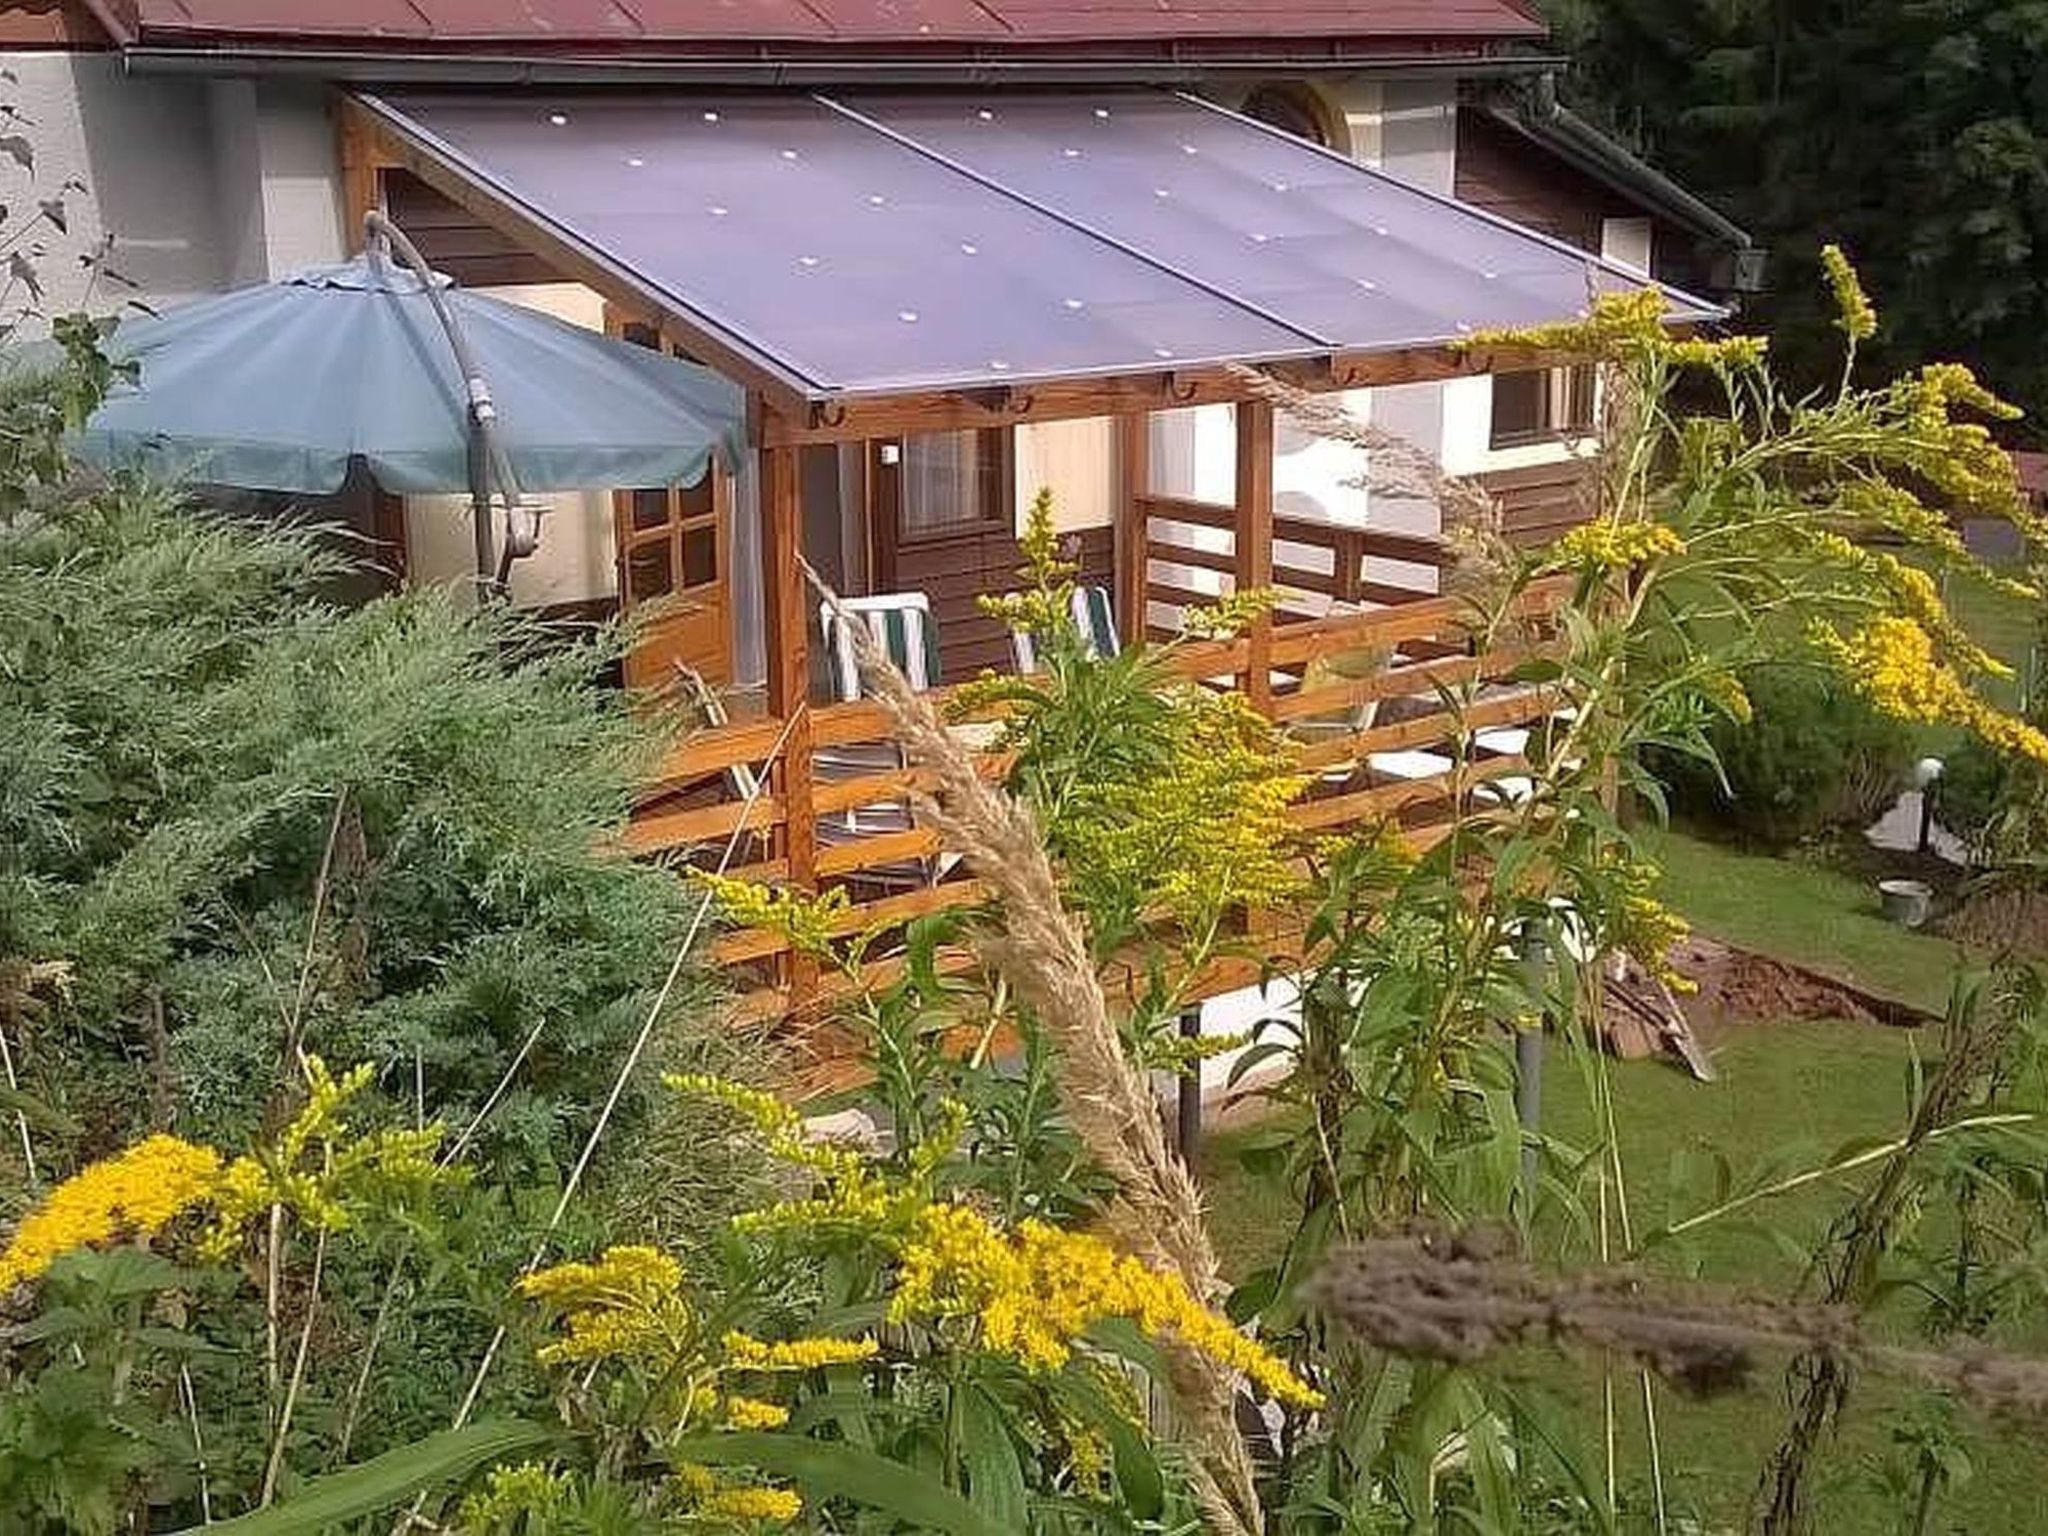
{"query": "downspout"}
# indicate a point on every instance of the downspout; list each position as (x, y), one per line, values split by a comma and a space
(118, 32)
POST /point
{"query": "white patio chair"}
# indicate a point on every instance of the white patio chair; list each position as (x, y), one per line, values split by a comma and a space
(901, 624)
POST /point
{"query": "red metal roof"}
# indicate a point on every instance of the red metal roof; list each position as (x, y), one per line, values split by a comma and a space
(667, 26)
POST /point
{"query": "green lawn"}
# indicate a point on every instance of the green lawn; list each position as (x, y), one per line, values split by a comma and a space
(2003, 625)
(1791, 1092)
(1802, 912)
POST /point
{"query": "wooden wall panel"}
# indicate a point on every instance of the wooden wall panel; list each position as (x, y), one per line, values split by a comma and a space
(1507, 175)
(953, 572)
(456, 241)
(1539, 503)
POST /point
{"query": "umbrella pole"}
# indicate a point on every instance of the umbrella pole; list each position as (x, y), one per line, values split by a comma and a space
(480, 410)
(488, 584)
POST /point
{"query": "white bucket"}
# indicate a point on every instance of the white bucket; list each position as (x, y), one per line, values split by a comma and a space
(1906, 902)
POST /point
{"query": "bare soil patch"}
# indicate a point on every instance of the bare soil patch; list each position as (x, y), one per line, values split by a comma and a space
(1739, 987)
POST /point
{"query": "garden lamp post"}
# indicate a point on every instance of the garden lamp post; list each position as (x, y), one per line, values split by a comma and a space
(1529, 1056)
(1927, 779)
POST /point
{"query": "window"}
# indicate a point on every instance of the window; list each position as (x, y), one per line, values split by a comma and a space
(1541, 404)
(952, 482)
(1291, 109)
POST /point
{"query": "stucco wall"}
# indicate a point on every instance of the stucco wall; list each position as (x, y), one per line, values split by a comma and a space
(190, 186)
(1076, 460)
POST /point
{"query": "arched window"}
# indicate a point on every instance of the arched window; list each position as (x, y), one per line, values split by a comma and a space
(1290, 108)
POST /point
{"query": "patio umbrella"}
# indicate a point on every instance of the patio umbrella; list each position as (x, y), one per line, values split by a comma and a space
(281, 387)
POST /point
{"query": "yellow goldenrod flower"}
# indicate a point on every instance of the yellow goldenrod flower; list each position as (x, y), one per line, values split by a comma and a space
(1034, 1294)
(628, 1305)
(1617, 326)
(1953, 384)
(1040, 607)
(1893, 662)
(1607, 543)
(1726, 691)
(1894, 508)
(1855, 316)
(1731, 354)
(744, 1352)
(527, 1490)
(810, 923)
(1229, 615)
(319, 1170)
(137, 1192)
(1209, 831)
(780, 1126)
(1642, 926)
(752, 1413)
(774, 1506)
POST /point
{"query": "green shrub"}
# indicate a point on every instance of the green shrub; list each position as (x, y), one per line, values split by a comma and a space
(1814, 757)
(235, 817)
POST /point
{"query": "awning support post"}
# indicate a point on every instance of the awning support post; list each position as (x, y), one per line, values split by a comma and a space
(1253, 538)
(789, 675)
(1133, 527)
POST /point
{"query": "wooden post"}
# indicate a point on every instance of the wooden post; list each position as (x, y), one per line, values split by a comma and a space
(1133, 530)
(789, 675)
(1253, 537)
(362, 181)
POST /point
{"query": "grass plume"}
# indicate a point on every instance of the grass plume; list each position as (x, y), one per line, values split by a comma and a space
(1037, 944)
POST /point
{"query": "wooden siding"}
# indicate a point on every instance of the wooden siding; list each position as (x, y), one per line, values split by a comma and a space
(1540, 502)
(456, 241)
(955, 569)
(1507, 175)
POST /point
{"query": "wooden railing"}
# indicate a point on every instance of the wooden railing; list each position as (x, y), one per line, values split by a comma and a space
(1172, 523)
(894, 869)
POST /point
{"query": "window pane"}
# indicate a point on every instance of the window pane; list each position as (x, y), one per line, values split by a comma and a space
(695, 500)
(700, 556)
(650, 509)
(1578, 399)
(947, 482)
(649, 572)
(1520, 404)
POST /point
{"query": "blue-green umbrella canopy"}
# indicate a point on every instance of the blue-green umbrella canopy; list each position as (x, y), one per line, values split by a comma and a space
(279, 387)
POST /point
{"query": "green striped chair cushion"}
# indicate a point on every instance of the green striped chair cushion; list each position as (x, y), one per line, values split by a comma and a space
(1094, 620)
(1095, 617)
(901, 623)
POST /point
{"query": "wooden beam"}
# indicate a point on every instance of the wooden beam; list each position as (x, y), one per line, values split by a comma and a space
(362, 172)
(847, 419)
(1133, 537)
(1254, 539)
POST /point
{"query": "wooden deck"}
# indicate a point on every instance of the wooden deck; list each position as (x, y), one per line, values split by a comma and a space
(696, 808)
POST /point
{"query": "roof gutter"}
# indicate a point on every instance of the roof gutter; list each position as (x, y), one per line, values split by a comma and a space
(1577, 142)
(413, 67)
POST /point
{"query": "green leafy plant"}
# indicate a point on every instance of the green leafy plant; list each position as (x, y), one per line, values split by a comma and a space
(1812, 757)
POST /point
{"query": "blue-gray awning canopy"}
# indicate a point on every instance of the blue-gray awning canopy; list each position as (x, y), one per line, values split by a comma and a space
(280, 387)
(870, 244)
